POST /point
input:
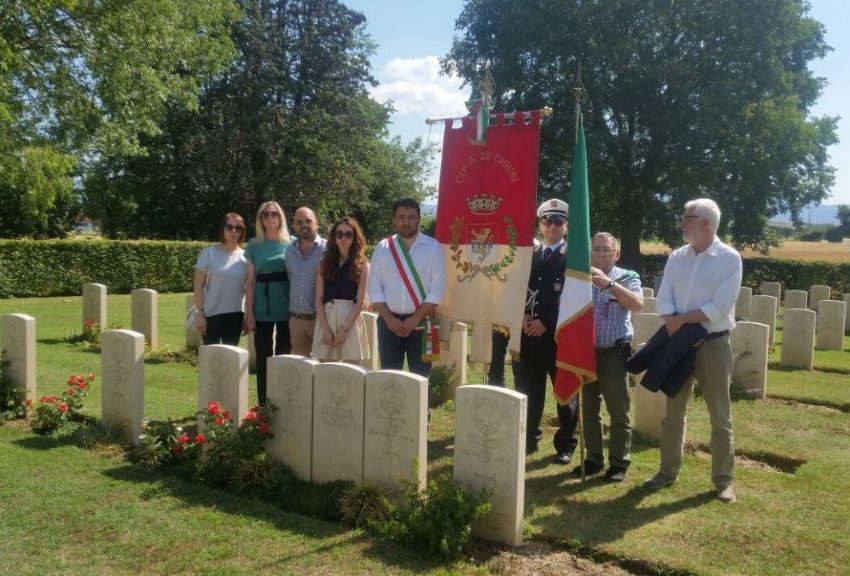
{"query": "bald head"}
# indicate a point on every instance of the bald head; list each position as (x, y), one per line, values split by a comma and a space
(305, 224)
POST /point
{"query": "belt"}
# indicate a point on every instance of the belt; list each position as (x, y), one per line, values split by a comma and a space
(298, 316)
(713, 335)
(267, 278)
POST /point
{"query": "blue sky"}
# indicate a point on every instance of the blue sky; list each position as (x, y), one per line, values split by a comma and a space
(411, 36)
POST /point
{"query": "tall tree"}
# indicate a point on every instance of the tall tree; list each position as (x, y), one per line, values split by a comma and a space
(685, 99)
(290, 120)
(88, 78)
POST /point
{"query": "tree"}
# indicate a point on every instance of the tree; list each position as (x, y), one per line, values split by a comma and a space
(683, 100)
(844, 219)
(290, 120)
(83, 79)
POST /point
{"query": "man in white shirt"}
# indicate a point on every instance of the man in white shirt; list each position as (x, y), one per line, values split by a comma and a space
(700, 285)
(406, 265)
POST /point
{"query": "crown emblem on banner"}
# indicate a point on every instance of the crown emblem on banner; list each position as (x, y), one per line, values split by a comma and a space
(483, 205)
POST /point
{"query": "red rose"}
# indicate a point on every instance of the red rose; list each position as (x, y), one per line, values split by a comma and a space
(219, 421)
(183, 439)
(177, 449)
(263, 429)
(250, 415)
(63, 407)
(81, 386)
(213, 407)
(200, 439)
(72, 391)
(28, 402)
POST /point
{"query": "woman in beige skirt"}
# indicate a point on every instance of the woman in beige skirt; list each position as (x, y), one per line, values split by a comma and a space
(340, 333)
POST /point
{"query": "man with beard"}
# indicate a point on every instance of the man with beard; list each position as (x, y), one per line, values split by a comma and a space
(302, 262)
(406, 283)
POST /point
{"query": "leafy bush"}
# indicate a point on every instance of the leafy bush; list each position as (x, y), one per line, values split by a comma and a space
(51, 412)
(12, 398)
(441, 382)
(812, 235)
(834, 234)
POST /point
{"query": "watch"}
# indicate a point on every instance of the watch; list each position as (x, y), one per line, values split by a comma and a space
(610, 284)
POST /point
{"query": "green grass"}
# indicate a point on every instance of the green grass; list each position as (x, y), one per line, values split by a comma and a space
(69, 510)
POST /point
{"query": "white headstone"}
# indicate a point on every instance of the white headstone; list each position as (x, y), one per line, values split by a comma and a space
(818, 292)
(798, 338)
(193, 337)
(396, 430)
(763, 310)
(373, 362)
(18, 350)
(290, 390)
(750, 344)
(742, 304)
(482, 342)
(830, 325)
(771, 289)
(645, 326)
(650, 409)
(144, 314)
(223, 374)
(649, 305)
(796, 299)
(94, 306)
(455, 354)
(490, 430)
(648, 292)
(338, 416)
(123, 381)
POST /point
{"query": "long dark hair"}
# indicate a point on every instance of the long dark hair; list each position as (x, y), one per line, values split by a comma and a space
(329, 267)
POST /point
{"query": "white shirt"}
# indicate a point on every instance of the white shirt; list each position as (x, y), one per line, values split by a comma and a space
(708, 281)
(385, 283)
(224, 289)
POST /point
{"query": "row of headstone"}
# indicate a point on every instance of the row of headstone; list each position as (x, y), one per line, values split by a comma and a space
(454, 353)
(143, 317)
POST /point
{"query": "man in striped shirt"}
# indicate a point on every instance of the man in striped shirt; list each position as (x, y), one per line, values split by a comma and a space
(616, 294)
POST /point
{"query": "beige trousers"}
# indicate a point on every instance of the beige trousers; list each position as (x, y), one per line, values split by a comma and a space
(301, 335)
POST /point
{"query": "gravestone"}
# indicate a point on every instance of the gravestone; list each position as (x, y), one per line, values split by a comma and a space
(481, 343)
(648, 292)
(645, 325)
(796, 299)
(18, 351)
(94, 306)
(338, 414)
(490, 429)
(763, 310)
(123, 381)
(771, 289)
(373, 362)
(847, 313)
(455, 354)
(742, 304)
(798, 338)
(144, 314)
(396, 430)
(750, 344)
(818, 292)
(650, 409)
(290, 390)
(830, 325)
(193, 337)
(223, 375)
(649, 305)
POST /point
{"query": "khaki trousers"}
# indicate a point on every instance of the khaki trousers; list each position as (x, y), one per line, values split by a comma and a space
(713, 371)
(612, 385)
(301, 334)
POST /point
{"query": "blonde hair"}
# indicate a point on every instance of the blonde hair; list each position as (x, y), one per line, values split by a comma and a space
(261, 232)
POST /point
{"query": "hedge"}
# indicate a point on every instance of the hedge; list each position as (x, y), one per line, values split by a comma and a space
(37, 268)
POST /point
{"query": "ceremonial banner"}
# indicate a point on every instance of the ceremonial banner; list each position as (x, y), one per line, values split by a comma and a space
(575, 333)
(486, 223)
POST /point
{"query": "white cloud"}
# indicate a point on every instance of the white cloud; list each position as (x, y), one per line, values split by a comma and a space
(416, 88)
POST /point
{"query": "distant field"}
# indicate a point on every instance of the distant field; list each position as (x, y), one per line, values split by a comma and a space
(790, 250)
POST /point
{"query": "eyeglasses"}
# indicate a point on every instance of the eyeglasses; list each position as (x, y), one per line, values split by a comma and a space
(603, 250)
(340, 234)
(270, 214)
(687, 217)
(233, 228)
(553, 221)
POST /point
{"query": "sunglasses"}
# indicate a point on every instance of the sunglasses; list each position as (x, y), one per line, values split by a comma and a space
(553, 220)
(233, 228)
(340, 234)
(270, 214)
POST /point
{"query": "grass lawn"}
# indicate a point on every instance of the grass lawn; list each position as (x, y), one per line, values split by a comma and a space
(70, 510)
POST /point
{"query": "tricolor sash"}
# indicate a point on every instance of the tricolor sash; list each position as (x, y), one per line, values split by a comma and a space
(409, 276)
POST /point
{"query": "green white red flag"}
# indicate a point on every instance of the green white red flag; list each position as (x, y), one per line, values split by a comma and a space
(576, 357)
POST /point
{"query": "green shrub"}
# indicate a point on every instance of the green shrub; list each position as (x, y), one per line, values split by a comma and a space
(38, 268)
(834, 234)
(441, 382)
(12, 398)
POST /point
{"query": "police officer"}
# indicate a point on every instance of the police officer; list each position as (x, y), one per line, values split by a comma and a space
(537, 344)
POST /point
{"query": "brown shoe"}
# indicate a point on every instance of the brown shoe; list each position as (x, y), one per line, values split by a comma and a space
(726, 495)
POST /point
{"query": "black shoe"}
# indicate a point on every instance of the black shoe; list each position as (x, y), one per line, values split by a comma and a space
(614, 474)
(563, 457)
(590, 469)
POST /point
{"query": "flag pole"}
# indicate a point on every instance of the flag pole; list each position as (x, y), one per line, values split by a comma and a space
(580, 92)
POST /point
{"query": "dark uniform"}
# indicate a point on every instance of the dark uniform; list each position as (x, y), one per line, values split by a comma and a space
(537, 353)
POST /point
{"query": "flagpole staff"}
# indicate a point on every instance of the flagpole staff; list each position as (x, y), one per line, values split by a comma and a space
(580, 93)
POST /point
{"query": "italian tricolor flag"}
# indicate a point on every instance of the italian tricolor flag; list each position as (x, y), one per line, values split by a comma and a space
(575, 335)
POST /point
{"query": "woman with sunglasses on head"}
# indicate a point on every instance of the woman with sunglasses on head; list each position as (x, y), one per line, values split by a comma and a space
(221, 275)
(340, 296)
(267, 297)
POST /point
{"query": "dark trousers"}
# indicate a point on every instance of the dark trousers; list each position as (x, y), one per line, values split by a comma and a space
(268, 332)
(224, 328)
(537, 360)
(496, 374)
(393, 349)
